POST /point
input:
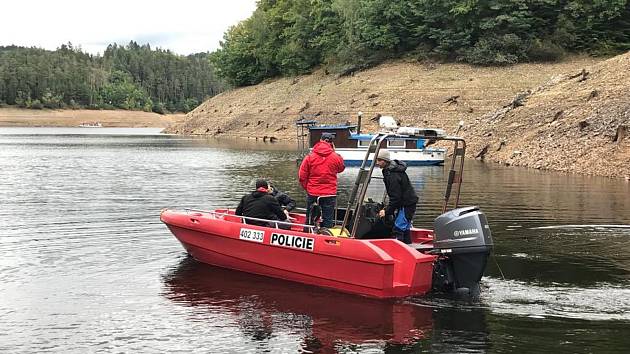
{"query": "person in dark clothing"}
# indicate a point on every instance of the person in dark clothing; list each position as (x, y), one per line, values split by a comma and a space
(286, 202)
(402, 197)
(261, 205)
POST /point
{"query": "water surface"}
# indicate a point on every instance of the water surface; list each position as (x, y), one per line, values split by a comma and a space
(87, 266)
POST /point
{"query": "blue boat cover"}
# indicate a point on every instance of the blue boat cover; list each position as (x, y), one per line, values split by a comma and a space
(361, 136)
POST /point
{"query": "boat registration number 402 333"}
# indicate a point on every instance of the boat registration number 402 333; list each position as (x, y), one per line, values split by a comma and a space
(252, 235)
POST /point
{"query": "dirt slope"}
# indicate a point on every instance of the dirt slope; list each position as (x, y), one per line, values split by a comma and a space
(578, 122)
(21, 117)
(440, 95)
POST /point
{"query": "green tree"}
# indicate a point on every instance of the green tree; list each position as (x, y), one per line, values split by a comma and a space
(69, 77)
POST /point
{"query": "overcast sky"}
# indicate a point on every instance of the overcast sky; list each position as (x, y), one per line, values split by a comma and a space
(183, 26)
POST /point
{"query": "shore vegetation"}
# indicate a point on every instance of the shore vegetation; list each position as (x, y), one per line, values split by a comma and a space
(131, 77)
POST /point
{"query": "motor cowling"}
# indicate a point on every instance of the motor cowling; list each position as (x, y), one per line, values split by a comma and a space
(463, 241)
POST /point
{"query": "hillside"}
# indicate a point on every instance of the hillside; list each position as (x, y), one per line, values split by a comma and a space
(22, 117)
(578, 122)
(440, 95)
(132, 77)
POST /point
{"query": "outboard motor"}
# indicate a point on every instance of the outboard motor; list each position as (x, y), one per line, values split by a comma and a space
(463, 243)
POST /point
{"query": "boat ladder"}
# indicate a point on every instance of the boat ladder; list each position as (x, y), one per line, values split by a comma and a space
(361, 183)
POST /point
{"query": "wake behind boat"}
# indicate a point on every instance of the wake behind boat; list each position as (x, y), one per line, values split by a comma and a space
(356, 256)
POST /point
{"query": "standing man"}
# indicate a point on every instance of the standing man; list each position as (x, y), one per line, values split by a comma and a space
(318, 176)
(402, 197)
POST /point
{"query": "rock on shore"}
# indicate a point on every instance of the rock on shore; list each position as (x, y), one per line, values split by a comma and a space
(577, 122)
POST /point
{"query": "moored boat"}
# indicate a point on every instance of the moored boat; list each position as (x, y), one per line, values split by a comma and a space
(90, 125)
(351, 143)
(356, 256)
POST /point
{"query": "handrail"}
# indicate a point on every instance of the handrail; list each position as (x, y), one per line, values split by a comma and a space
(378, 141)
(363, 180)
(276, 222)
(364, 177)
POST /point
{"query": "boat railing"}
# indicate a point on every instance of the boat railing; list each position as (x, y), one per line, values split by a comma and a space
(244, 219)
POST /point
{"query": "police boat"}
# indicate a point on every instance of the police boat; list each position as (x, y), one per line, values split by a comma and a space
(357, 255)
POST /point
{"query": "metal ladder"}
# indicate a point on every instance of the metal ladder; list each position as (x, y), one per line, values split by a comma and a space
(357, 196)
(455, 175)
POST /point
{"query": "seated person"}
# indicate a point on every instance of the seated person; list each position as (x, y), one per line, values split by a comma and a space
(286, 203)
(261, 205)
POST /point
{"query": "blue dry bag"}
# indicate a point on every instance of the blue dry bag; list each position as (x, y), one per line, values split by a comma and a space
(401, 222)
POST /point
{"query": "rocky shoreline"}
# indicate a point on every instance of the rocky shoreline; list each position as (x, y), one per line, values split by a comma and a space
(21, 117)
(578, 123)
(571, 116)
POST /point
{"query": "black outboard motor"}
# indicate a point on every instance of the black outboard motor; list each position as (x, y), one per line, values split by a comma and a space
(463, 243)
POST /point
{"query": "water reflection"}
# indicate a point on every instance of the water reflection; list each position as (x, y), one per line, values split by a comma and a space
(460, 330)
(247, 144)
(325, 320)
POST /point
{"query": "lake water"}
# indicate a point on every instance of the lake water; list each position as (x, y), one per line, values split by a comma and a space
(86, 265)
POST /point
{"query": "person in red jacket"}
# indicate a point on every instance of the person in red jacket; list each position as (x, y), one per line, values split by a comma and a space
(318, 176)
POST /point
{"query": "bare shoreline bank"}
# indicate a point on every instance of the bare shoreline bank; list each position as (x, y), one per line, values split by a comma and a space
(570, 116)
(21, 117)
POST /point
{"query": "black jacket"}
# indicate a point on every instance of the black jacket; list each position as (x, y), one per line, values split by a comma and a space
(285, 201)
(399, 189)
(260, 205)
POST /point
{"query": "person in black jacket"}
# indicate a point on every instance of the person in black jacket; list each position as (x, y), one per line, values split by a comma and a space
(286, 202)
(402, 197)
(261, 205)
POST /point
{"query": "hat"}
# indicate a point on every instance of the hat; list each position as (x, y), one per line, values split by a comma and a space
(262, 183)
(384, 155)
(326, 136)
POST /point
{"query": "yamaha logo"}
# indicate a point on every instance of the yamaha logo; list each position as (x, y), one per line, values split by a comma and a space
(465, 232)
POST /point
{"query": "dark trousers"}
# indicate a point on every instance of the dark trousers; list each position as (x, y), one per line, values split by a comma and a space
(400, 235)
(327, 204)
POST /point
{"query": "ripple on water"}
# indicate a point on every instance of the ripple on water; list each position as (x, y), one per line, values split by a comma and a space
(603, 302)
(83, 252)
(596, 227)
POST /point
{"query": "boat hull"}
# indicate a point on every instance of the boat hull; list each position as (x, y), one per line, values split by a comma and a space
(376, 268)
(356, 163)
(412, 157)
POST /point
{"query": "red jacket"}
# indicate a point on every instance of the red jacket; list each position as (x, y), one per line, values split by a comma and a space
(318, 172)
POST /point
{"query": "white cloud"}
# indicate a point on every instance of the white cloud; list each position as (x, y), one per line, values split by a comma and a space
(183, 26)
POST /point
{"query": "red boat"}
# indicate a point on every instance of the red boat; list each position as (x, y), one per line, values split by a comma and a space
(362, 259)
(379, 268)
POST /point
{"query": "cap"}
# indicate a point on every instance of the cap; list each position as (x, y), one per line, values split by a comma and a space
(326, 136)
(383, 155)
(262, 183)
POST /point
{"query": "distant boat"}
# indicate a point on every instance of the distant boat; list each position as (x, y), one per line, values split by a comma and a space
(90, 125)
(352, 144)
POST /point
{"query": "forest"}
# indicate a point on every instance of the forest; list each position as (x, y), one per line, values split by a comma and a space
(289, 37)
(292, 37)
(131, 77)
